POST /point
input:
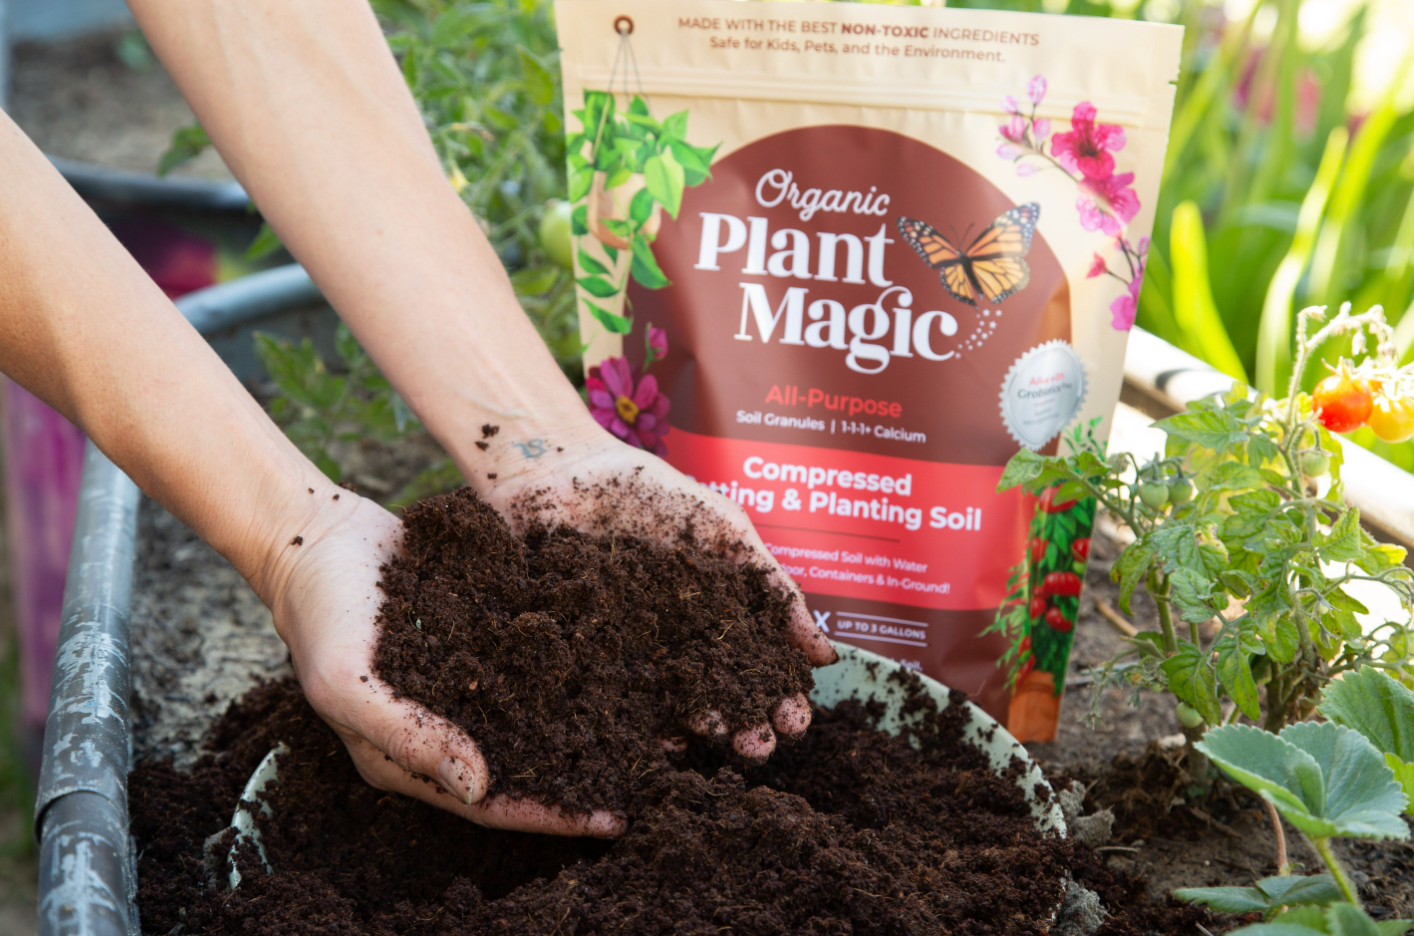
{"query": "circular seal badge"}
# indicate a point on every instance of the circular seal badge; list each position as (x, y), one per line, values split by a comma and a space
(1042, 393)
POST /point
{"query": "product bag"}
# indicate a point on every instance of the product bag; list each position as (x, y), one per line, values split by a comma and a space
(839, 262)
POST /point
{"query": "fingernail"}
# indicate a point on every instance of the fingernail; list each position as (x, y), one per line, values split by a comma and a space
(457, 779)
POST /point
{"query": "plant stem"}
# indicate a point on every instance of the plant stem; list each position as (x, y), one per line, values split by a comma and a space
(1283, 866)
(1323, 848)
(1158, 589)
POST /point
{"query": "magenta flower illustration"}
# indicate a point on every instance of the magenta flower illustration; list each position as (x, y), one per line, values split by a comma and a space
(1098, 267)
(638, 414)
(1107, 204)
(1089, 147)
(656, 343)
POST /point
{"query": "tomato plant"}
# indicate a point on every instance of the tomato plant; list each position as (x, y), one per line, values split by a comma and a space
(1261, 550)
(1392, 417)
(1342, 402)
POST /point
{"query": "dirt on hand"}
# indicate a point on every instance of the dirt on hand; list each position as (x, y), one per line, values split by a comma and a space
(567, 656)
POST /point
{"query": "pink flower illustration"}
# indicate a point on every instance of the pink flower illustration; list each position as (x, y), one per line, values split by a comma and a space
(1036, 90)
(657, 344)
(1123, 309)
(638, 415)
(1107, 204)
(1098, 267)
(1015, 129)
(1041, 129)
(1010, 106)
(1089, 147)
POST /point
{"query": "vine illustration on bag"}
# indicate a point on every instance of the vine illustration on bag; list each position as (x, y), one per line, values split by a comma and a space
(1106, 202)
(1042, 602)
(625, 169)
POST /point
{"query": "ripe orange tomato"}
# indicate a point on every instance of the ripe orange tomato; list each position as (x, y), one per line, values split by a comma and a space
(1342, 403)
(1392, 418)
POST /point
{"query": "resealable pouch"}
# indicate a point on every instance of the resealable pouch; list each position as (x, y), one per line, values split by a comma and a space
(839, 262)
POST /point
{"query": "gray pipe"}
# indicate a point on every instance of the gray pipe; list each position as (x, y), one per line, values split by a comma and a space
(122, 185)
(87, 873)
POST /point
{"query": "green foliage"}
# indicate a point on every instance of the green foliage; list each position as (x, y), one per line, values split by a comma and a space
(1341, 919)
(1257, 534)
(1267, 896)
(1326, 779)
(1382, 710)
(315, 406)
(187, 144)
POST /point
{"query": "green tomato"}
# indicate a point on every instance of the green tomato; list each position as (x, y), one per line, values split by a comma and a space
(1180, 491)
(555, 233)
(1188, 716)
(1078, 567)
(1315, 463)
(1154, 494)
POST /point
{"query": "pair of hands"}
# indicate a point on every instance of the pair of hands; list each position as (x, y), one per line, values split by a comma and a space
(325, 600)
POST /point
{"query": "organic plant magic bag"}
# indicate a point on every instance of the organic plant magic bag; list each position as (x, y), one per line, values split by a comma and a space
(839, 262)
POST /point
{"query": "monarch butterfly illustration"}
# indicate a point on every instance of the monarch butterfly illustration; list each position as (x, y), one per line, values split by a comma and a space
(991, 265)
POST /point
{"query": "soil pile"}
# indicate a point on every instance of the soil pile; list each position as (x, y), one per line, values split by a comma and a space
(567, 656)
(848, 831)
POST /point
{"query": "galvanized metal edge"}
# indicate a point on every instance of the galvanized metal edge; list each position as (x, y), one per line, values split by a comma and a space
(85, 877)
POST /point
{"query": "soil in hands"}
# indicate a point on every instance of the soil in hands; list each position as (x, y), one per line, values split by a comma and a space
(848, 831)
(569, 656)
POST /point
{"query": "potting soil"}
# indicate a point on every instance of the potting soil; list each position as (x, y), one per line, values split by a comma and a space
(847, 831)
(569, 656)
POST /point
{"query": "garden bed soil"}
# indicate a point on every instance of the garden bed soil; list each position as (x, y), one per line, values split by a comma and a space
(568, 656)
(849, 830)
(1167, 846)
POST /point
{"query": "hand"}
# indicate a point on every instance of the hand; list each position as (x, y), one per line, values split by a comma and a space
(587, 479)
(325, 597)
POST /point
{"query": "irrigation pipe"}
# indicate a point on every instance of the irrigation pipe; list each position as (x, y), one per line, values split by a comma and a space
(87, 865)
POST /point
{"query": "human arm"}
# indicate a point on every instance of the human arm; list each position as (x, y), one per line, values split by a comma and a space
(310, 111)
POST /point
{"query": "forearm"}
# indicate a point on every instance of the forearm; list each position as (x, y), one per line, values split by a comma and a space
(307, 106)
(83, 327)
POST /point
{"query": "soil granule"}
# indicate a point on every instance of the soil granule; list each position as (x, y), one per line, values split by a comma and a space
(847, 831)
(568, 656)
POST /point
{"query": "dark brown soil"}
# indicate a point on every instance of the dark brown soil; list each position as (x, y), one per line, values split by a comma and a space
(848, 831)
(568, 657)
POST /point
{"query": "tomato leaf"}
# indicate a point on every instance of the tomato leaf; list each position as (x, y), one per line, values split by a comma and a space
(1191, 677)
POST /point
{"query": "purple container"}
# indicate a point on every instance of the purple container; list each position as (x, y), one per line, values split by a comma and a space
(44, 458)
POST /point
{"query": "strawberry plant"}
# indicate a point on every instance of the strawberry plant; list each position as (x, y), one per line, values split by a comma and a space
(1239, 529)
(1328, 781)
(1381, 709)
